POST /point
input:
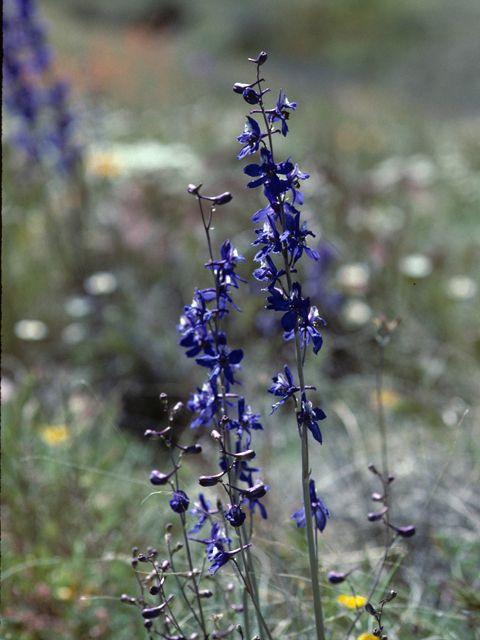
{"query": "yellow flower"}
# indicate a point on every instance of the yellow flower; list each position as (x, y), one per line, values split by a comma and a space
(366, 636)
(65, 593)
(389, 399)
(103, 164)
(351, 602)
(54, 434)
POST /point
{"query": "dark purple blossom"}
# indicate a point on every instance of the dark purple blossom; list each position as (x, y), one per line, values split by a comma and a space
(283, 386)
(203, 510)
(295, 306)
(180, 501)
(225, 360)
(235, 515)
(308, 329)
(246, 421)
(205, 402)
(224, 269)
(279, 113)
(310, 417)
(319, 510)
(251, 138)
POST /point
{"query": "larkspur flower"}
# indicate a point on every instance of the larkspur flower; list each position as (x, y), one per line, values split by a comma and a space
(294, 305)
(180, 501)
(267, 174)
(310, 416)
(224, 269)
(279, 113)
(251, 138)
(308, 330)
(235, 515)
(225, 360)
(319, 510)
(203, 510)
(284, 386)
(205, 403)
(246, 420)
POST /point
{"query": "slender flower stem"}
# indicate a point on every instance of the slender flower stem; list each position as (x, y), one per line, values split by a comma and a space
(255, 603)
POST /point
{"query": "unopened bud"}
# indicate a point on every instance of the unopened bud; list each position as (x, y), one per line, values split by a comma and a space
(376, 497)
(223, 198)
(127, 599)
(370, 609)
(194, 448)
(377, 516)
(261, 59)
(194, 190)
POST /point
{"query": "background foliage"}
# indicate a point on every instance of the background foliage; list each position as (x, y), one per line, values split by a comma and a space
(388, 128)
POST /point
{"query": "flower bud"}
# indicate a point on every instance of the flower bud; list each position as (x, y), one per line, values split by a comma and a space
(152, 612)
(251, 96)
(158, 478)
(127, 599)
(194, 190)
(255, 492)
(239, 87)
(370, 609)
(154, 589)
(336, 578)
(193, 448)
(223, 198)
(404, 532)
(376, 497)
(377, 516)
(262, 58)
(205, 593)
(209, 481)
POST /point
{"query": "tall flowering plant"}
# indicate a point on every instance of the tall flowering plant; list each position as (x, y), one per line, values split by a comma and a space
(44, 124)
(282, 242)
(216, 406)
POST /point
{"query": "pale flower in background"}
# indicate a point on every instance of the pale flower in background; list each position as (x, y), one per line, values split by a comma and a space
(416, 265)
(31, 330)
(461, 288)
(356, 312)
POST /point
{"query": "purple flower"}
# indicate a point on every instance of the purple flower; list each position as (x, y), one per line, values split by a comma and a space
(319, 510)
(203, 510)
(180, 501)
(295, 306)
(267, 173)
(246, 421)
(224, 269)
(283, 386)
(308, 330)
(235, 516)
(251, 138)
(225, 360)
(205, 402)
(279, 113)
(310, 416)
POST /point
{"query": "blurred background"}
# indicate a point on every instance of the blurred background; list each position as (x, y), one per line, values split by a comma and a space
(102, 247)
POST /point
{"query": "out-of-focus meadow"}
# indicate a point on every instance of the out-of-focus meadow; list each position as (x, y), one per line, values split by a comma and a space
(96, 272)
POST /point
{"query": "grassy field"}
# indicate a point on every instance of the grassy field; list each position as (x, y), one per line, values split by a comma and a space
(96, 273)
